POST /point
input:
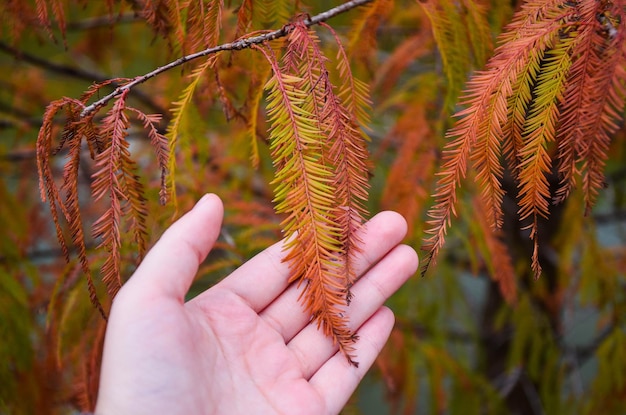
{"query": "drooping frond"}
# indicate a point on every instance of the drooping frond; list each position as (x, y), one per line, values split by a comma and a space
(72, 134)
(195, 27)
(363, 34)
(303, 189)
(244, 17)
(44, 16)
(271, 13)
(16, 15)
(47, 187)
(518, 104)
(161, 16)
(213, 23)
(551, 70)
(463, 38)
(89, 130)
(178, 112)
(540, 130)
(160, 144)
(203, 24)
(255, 97)
(106, 186)
(608, 87)
(304, 58)
(486, 94)
(474, 14)
(577, 100)
(115, 182)
(341, 116)
(321, 177)
(72, 207)
(415, 163)
(353, 92)
(595, 153)
(404, 55)
(135, 204)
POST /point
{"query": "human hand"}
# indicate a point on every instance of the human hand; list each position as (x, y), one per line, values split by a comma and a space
(243, 346)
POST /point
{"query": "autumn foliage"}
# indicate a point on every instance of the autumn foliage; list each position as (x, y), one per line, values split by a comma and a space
(495, 129)
(549, 99)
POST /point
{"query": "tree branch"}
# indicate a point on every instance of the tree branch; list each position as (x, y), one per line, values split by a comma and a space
(236, 45)
(73, 72)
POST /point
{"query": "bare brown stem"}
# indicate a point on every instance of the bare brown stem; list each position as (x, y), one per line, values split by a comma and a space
(242, 43)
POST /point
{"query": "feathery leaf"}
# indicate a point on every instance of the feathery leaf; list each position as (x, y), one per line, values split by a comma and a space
(178, 112)
(160, 144)
(479, 129)
(107, 183)
(320, 181)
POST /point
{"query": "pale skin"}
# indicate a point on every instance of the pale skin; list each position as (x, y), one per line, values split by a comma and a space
(244, 346)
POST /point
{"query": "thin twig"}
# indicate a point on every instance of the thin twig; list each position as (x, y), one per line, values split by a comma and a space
(236, 45)
(73, 72)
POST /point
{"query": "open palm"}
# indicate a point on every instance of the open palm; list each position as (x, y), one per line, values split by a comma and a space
(244, 345)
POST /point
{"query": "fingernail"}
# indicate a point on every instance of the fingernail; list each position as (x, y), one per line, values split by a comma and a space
(202, 200)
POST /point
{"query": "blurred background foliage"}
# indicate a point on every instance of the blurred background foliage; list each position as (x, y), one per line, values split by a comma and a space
(459, 346)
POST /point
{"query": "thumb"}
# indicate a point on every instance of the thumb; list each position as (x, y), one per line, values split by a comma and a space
(171, 265)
